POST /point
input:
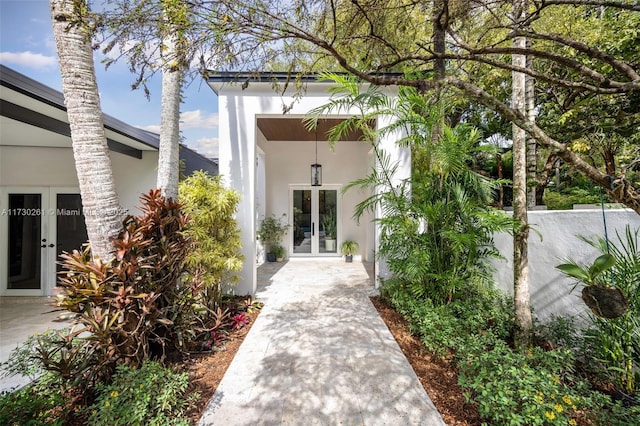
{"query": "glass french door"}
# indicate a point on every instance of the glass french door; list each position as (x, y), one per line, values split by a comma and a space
(40, 223)
(315, 221)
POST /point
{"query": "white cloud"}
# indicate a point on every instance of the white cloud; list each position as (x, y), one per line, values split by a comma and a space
(198, 120)
(155, 128)
(28, 59)
(205, 146)
(189, 120)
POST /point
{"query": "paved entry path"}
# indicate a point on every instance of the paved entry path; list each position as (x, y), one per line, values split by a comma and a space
(319, 354)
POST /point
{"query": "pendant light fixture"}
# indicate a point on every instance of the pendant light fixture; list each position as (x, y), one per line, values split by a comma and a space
(316, 169)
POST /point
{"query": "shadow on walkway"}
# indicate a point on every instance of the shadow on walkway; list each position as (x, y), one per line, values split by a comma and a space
(319, 353)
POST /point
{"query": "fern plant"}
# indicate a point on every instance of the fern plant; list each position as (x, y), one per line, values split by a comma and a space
(436, 229)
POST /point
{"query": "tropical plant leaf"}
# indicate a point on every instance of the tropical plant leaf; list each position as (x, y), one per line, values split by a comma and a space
(601, 264)
(574, 271)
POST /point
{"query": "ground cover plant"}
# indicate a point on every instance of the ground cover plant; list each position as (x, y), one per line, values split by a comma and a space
(149, 394)
(543, 386)
(138, 320)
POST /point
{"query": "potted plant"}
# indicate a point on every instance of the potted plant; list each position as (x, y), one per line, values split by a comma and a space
(349, 248)
(270, 233)
(614, 312)
(329, 227)
(604, 300)
(278, 251)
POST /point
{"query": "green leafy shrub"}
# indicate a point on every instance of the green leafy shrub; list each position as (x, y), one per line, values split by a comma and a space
(511, 388)
(558, 332)
(477, 321)
(134, 307)
(271, 231)
(538, 388)
(217, 257)
(565, 199)
(437, 230)
(147, 395)
(22, 359)
(349, 248)
(40, 403)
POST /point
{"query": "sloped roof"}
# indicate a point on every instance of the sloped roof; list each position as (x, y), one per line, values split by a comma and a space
(122, 137)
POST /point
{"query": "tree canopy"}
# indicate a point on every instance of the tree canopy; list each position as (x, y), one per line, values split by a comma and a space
(584, 59)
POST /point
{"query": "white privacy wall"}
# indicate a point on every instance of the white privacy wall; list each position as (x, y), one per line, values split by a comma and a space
(554, 237)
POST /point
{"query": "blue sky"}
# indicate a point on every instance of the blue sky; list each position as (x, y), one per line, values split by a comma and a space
(27, 46)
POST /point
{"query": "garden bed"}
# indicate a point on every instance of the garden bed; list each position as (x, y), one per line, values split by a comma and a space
(207, 370)
(437, 375)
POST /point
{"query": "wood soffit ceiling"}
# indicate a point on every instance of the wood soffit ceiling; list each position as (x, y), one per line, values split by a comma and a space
(292, 129)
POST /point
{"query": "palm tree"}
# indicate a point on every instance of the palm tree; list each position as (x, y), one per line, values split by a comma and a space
(436, 233)
(172, 76)
(71, 30)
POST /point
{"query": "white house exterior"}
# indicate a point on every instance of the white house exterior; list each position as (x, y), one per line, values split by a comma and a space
(40, 207)
(266, 155)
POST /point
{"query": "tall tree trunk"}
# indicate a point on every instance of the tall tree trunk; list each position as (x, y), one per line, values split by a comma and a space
(545, 176)
(500, 167)
(438, 19)
(532, 147)
(521, 295)
(90, 149)
(169, 156)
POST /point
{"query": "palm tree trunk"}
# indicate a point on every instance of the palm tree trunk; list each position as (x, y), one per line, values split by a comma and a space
(169, 156)
(521, 295)
(90, 150)
(172, 74)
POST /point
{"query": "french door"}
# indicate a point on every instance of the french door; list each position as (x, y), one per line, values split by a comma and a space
(316, 224)
(39, 223)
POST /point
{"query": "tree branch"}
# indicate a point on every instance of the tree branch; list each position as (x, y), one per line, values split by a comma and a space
(594, 53)
(613, 4)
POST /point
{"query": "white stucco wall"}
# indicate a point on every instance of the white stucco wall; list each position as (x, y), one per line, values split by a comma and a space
(52, 170)
(558, 240)
(50, 167)
(288, 163)
(401, 157)
(238, 136)
(237, 166)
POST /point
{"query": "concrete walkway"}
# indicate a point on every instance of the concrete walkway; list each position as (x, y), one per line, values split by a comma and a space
(319, 354)
(21, 317)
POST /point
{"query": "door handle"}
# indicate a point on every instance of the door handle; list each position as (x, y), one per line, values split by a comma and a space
(52, 245)
(313, 229)
(45, 246)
